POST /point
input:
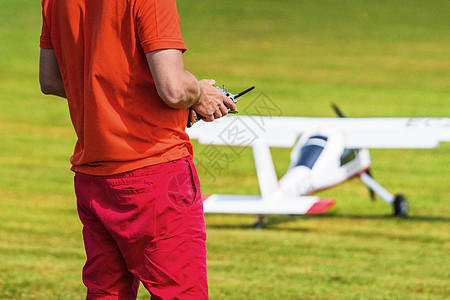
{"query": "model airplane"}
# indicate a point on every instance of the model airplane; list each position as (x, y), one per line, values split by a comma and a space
(326, 152)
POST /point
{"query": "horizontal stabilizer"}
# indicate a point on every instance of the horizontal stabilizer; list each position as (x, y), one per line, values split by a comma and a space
(245, 204)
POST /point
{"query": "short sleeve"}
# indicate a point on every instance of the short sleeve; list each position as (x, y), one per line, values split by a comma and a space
(158, 25)
(45, 40)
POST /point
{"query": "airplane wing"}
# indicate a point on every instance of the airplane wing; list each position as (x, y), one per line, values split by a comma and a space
(246, 204)
(379, 133)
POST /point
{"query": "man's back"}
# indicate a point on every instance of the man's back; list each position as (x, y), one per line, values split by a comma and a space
(120, 120)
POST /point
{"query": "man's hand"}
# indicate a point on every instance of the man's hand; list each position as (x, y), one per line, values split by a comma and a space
(212, 104)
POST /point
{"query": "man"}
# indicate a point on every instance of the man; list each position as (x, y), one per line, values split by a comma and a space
(119, 64)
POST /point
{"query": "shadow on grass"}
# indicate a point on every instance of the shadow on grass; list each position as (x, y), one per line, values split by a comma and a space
(417, 218)
(268, 223)
(271, 221)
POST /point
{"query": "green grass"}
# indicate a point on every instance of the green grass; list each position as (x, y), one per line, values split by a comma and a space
(373, 58)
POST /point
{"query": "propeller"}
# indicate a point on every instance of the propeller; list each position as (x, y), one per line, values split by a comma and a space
(369, 172)
(337, 110)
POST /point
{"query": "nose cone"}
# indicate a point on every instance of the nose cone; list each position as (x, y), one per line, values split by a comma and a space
(297, 182)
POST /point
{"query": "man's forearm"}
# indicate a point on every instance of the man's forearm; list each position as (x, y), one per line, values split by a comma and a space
(49, 75)
(177, 87)
(55, 88)
(187, 93)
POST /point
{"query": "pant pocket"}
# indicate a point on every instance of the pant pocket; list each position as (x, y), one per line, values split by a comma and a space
(182, 189)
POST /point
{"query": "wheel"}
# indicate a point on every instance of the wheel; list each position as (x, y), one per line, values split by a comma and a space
(400, 206)
(259, 224)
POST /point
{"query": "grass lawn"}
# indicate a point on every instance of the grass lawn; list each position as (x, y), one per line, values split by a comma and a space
(372, 58)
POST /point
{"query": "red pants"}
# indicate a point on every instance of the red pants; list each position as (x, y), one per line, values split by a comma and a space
(144, 226)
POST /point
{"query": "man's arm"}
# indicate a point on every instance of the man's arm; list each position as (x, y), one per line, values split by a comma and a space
(49, 74)
(179, 89)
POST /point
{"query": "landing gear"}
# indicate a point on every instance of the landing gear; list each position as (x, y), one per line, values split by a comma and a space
(400, 206)
(259, 224)
(398, 201)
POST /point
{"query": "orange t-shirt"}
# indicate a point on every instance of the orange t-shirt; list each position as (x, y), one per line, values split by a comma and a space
(121, 122)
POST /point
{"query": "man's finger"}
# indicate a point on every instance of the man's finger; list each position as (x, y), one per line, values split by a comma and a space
(230, 104)
(218, 114)
(210, 118)
(223, 109)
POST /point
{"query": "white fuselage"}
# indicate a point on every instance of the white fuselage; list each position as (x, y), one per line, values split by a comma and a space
(319, 161)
